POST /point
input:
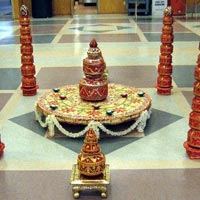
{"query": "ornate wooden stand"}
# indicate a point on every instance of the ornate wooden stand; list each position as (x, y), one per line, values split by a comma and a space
(192, 145)
(29, 86)
(80, 182)
(164, 80)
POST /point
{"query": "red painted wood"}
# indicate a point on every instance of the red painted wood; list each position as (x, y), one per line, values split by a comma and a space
(178, 7)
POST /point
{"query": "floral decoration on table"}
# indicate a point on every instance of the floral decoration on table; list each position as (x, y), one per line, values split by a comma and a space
(124, 103)
(117, 108)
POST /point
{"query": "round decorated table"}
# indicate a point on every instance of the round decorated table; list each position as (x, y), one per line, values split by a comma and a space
(64, 105)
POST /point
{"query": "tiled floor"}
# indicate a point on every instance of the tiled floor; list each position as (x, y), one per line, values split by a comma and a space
(144, 166)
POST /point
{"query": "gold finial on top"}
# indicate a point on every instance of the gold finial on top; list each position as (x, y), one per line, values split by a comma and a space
(168, 11)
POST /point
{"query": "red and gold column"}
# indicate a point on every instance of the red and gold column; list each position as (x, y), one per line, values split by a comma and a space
(164, 80)
(2, 146)
(192, 145)
(29, 86)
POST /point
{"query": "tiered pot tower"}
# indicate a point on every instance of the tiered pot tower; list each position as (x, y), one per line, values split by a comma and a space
(2, 146)
(164, 80)
(94, 87)
(91, 161)
(192, 145)
(29, 86)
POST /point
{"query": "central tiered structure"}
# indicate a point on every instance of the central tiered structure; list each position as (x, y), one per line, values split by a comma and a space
(93, 102)
(94, 87)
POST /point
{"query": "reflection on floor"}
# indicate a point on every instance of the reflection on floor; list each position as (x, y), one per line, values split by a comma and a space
(145, 166)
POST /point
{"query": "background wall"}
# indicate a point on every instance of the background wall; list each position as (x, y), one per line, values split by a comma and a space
(59, 7)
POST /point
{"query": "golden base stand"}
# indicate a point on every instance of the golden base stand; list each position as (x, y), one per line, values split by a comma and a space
(80, 182)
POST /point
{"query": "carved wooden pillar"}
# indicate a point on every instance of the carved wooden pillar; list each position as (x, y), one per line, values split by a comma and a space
(29, 86)
(164, 80)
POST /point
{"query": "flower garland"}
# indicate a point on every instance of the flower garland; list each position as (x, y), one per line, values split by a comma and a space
(51, 122)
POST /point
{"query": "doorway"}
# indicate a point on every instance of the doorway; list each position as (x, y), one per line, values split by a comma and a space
(85, 7)
(5, 9)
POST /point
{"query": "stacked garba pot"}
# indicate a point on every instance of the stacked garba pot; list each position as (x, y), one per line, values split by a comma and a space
(94, 87)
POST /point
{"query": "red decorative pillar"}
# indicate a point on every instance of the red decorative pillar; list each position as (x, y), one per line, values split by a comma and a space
(29, 86)
(2, 146)
(164, 80)
(192, 145)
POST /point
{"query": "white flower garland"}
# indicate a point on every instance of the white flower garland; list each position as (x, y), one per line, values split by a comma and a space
(51, 122)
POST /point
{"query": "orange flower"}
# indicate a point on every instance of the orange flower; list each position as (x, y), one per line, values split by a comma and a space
(67, 110)
(118, 110)
(94, 112)
(135, 100)
(53, 102)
